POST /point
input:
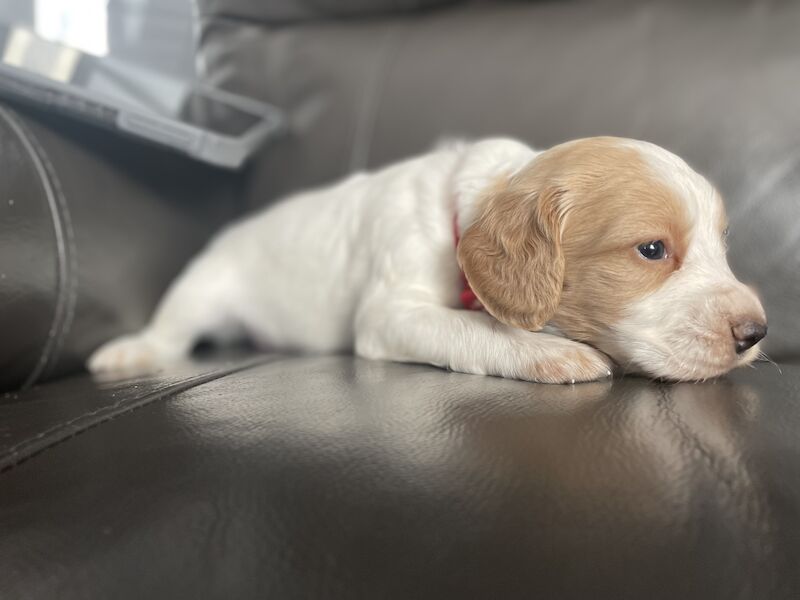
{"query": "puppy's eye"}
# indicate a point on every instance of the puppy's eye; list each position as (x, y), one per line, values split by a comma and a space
(725, 232)
(654, 250)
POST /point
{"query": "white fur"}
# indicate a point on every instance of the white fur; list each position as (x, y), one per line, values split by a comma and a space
(369, 264)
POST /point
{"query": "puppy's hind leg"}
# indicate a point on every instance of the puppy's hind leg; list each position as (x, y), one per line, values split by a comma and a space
(198, 303)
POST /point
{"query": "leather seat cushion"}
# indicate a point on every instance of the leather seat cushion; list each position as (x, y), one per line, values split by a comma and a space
(334, 477)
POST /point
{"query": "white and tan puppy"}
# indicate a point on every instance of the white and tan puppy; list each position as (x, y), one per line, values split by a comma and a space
(597, 254)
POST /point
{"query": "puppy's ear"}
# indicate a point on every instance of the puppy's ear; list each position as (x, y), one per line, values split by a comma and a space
(511, 255)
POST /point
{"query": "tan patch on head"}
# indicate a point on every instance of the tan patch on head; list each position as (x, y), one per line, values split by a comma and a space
(558, 239)
(617, 203)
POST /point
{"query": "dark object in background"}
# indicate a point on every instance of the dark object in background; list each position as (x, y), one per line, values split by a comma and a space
(208, 124)
(338, 478)
(283, 12)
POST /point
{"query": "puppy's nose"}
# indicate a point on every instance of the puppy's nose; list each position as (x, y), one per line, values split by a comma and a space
(747, 334)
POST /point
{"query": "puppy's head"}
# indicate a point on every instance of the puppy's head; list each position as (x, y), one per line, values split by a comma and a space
(621, 245)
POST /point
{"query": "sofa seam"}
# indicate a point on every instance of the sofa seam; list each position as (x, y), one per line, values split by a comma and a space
(60, 432)
(66, 283)
(720, 471)
(72, 282)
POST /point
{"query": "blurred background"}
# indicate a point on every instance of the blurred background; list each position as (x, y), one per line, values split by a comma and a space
(361, 83)
(157, 34)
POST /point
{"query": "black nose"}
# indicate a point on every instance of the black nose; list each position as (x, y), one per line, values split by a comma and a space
(747, 334)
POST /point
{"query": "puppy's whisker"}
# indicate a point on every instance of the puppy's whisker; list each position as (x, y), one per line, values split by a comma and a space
(762, 356)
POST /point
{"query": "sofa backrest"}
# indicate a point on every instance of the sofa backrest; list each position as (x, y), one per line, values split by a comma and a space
(289, 11)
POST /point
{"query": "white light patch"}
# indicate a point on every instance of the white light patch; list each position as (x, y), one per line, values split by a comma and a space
(81, 24)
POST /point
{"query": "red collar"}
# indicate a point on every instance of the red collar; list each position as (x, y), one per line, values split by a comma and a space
(468, 298)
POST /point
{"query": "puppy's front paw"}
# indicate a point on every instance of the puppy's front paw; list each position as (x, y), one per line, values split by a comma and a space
(575, 363)
(128, 355)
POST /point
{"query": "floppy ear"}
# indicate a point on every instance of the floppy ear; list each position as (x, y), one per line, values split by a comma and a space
(511, 255)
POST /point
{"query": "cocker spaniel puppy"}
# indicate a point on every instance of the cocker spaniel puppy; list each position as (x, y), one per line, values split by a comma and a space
(553, 266)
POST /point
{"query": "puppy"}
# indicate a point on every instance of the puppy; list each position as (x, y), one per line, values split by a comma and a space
(597, 254)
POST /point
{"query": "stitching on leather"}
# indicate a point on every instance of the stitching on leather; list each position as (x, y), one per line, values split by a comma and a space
(71, 257)
(66, 291)
(42, 440)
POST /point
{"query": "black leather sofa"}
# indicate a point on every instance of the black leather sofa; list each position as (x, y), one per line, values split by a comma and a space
(284, 476)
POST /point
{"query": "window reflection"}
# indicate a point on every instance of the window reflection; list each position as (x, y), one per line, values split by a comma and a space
(82, 24)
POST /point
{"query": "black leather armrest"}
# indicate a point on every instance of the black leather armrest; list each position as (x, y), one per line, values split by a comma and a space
(92, 229)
